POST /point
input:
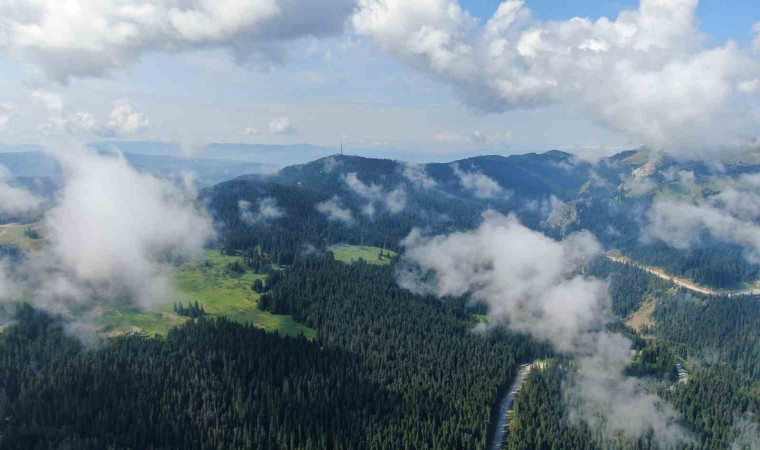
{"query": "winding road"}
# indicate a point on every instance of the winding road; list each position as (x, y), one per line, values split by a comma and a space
(505, 411)
(686, 284)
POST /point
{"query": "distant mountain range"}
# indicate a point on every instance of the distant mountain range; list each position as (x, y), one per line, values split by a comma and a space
(38, 164)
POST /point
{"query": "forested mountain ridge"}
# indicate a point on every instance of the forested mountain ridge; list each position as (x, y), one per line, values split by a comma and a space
(553, 192)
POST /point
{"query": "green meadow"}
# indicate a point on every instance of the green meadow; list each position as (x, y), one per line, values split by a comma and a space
(13, 234)
(221, 291)
(352, 253)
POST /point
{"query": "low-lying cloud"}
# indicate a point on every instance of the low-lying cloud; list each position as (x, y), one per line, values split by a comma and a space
(481, 185)
(266, 210)
(418, 176)
(535, 285)
(335, 211)
(112, 235)
(392, 202)
(731, 215)
(15, 200)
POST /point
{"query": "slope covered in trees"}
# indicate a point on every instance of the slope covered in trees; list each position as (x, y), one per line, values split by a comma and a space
(387, 370)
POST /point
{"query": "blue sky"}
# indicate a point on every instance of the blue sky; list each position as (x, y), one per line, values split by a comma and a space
(341, 86)
(722, 19)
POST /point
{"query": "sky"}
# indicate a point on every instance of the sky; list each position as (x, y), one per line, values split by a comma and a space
(427, 79)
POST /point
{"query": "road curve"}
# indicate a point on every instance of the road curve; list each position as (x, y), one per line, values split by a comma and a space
(505, 410)
(686, 284)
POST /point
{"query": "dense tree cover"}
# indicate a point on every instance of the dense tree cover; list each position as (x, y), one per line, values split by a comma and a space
(207, 385)
(421, 348)
(387, 370)
(303, 228)
(629, 285)
(718, 330)
(542, 419)
(719, 337)
(654, 359)
(619, 221)
(710, 263)
(714, 402)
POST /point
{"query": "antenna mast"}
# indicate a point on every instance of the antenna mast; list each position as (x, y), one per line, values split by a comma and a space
(341, 147)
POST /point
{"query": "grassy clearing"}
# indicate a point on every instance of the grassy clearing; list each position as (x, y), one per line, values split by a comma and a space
(12, 234)
(480, 318)
(352, 253)
(643, 316)
(222, 293)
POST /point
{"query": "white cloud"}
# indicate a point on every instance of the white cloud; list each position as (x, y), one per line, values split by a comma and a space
(392, 201)
(13, 199)
(266, 211)
(5, 114)
(86, 38)
(281, 126)
(756, 29)
(330, 164)
(730, 215)
(112, 235)
(482, 186)
(418, 176)
(334, 210)
(534, 285)
(475, 137)
(251, 131)
(522, 275)
(647, 73)
(124, 121)
(136, 224)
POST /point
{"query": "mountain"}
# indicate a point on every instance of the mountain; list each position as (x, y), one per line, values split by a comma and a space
(37, 164)
(553, 192)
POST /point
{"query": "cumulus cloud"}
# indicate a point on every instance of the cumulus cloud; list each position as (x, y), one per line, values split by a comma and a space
(523, 276)
(418, 176)
(5, 114)
(534, 285)
(266, 211)
(15, 200)
(392, 202)
(112, 235)
(481, 185)
(475, 137)
(334, 210)
(730, 215)
(647, 73)
(281, 126)
(90, 38)
(124, 121)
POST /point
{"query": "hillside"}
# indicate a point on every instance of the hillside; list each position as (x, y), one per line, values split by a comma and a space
(552, 192)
